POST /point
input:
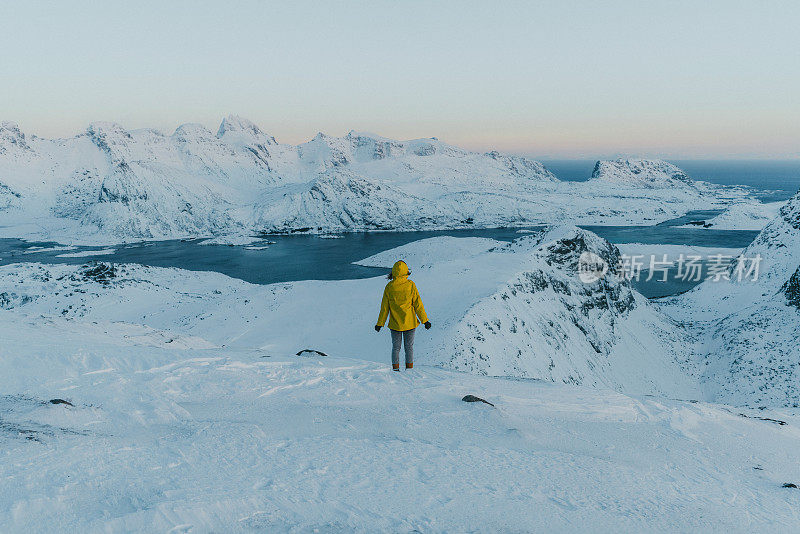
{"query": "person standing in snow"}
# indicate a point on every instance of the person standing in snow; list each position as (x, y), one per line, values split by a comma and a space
(402, 305)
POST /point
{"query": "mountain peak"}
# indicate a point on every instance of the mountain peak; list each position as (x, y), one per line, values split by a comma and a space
(9, 125)
(234, 124)
(10, 133)
(107, 135)
(640, 172)
(564, 245)
(106, 128)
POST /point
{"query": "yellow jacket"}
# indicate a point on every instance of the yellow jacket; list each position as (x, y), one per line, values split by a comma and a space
(401, 302)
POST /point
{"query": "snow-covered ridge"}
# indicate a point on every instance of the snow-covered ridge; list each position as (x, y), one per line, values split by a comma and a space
(749, 328)
(547, 323)
(779, 245)
(426, 252)
(111, 184)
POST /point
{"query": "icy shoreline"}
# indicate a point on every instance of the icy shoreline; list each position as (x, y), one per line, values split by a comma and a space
(37, 232)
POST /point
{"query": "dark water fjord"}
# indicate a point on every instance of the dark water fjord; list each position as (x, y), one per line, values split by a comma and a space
(302, 257)
(306, 257)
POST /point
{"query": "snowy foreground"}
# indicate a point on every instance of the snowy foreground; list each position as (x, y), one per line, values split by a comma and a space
(190, 412)
(164, 439)
(110, 185)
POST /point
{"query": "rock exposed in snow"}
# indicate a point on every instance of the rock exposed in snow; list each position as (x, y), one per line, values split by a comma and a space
(11, 138)
(749, 328)
(8, 197)
(547, 323)
(792, 289)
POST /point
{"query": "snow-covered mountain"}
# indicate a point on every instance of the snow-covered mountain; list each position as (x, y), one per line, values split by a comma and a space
(750, 328)
(110, 184)
(547, 323)
(140, 184)
(640, 173)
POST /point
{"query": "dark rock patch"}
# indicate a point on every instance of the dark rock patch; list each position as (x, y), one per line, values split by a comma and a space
(310, 352)
(9, 300)
(792, 289)
(15, 430)
(97, 271)
(473, 398)
(61, 401)
(767, 419)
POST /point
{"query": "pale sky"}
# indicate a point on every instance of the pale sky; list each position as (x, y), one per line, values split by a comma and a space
(692, 79)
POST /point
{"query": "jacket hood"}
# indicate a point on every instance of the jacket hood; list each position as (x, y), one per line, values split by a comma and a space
(400, 269)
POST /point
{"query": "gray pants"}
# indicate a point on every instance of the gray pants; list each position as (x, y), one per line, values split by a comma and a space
(407, 338)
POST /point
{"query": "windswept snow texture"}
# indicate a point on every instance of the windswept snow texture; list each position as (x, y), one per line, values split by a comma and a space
(110, 185)
(750, 329)
(166, 438)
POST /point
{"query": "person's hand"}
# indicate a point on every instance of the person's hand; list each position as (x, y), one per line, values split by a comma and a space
(427, 325)
(377, 328)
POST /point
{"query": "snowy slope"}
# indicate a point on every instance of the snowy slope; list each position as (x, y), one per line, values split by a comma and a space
(426, 252)
(186, 439)
(110, 185)
(750, 328)
(499, 309)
